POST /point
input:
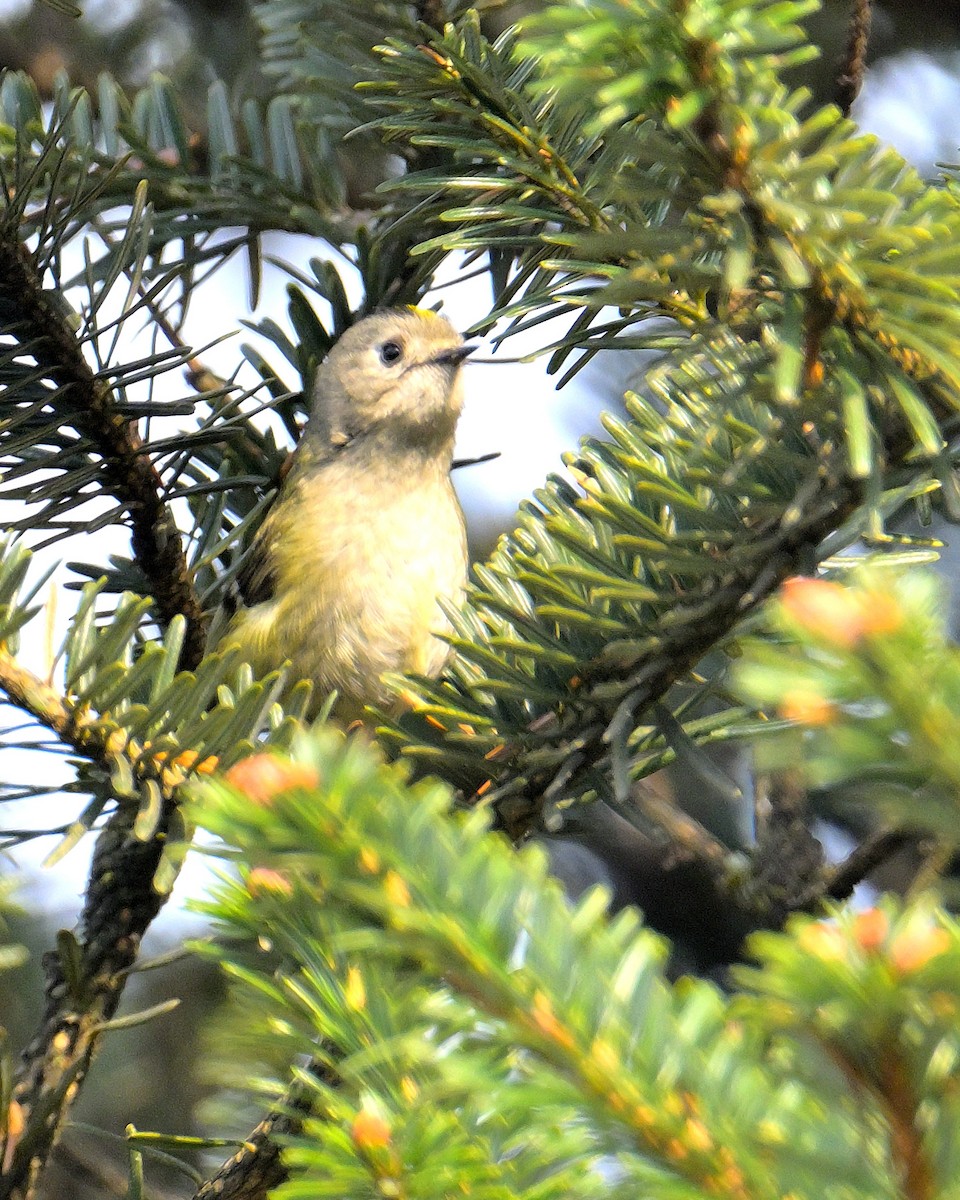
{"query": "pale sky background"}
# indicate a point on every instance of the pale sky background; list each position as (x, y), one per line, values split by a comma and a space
(912, 101)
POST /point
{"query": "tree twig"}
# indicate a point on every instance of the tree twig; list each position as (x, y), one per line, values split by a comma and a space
(787, 868)
(854, 62)
(890, 1084)
(129, 473)
(82, 994)
(258, 1166)
(120, 901)
(103, 1176)
(432, 13)
(863, 859)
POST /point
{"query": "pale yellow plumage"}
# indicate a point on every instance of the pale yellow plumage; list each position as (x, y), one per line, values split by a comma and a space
(346, 573)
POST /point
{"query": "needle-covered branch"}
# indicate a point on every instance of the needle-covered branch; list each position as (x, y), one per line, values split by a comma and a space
(140, 728)
(87, 400)
(811, 366)
(400, 925)
(637, 167)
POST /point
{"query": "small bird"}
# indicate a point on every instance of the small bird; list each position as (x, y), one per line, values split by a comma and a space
(366, 536)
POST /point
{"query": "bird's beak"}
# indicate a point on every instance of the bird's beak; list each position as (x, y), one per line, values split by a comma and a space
(455, 355)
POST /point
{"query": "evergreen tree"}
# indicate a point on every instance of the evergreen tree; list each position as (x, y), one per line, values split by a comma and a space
(420, 1008)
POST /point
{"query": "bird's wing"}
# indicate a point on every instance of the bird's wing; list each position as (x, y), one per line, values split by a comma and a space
(256, 580)
(254, 583)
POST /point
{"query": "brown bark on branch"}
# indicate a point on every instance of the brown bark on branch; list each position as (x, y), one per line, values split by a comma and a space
(854, 63)
(256, 1168)
(85, 978)
(129, 474)
(121, 901)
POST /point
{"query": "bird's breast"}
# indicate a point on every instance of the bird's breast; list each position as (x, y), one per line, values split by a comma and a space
(362, 562)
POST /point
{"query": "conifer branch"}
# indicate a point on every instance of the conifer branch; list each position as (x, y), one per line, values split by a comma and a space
(888, 1082)
(130, 474)
(433, 13)
(863, 860)
(540, 753)
(82, 994)
(256, 1168)
(900, 1104)
(690, 1089)
(84, 980)
(854, 64)
(142, 729)
(831, 298)
(816, 307)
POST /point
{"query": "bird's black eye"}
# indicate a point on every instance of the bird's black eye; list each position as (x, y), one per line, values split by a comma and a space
(390, 353)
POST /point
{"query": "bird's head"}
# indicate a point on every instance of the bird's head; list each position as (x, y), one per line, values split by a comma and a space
(395, 373)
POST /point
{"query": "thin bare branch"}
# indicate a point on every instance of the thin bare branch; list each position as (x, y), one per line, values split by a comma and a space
(861, 861)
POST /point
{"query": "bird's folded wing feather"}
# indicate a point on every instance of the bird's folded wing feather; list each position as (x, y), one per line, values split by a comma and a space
(256, 579)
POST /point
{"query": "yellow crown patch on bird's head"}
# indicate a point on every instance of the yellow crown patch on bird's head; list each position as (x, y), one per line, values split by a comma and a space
(420, 312)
